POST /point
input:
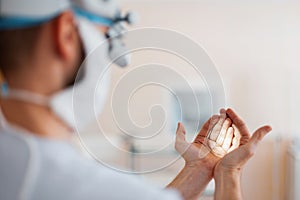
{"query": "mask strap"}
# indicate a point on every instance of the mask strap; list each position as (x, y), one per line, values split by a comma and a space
(27, 96)
(23, 95)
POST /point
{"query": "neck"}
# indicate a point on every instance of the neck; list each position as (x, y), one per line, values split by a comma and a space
(38, 120)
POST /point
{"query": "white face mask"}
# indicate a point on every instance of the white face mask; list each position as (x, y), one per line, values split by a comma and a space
(81, 104)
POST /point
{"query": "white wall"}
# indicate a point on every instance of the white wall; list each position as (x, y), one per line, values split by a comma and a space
(256, 48)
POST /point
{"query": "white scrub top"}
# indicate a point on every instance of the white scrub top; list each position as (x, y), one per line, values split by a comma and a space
(36, 168)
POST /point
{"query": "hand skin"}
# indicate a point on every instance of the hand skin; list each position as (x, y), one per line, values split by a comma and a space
(199, 160)
(228, 170)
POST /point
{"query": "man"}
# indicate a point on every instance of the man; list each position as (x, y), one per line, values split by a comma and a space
(40, 59)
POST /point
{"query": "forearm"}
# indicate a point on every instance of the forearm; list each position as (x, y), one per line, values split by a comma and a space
(192, 180)
(228, 186)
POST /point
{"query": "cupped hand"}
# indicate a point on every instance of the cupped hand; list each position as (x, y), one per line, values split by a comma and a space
(235, 160)
(213, 141)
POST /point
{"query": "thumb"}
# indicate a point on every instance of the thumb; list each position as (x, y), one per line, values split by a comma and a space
(259, 134)
(180, 132)
(181, 145)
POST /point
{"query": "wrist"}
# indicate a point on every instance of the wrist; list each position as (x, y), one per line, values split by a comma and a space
(228, 184)
(232, 171)
(232, 174)
(192, 179)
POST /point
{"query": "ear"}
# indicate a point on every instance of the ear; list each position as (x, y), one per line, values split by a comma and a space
(66, 36)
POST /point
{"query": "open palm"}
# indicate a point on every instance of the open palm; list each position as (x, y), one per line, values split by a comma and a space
(213, 141)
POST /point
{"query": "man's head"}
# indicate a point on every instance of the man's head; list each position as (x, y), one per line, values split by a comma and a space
(51, 51)
(56, 40)
(45, 45)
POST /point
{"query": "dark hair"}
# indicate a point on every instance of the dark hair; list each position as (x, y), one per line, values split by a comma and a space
(16, 45)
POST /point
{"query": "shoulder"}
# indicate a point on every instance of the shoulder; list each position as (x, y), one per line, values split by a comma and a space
(73, 176)
(76, 177)
(15, 154)
(55, 170)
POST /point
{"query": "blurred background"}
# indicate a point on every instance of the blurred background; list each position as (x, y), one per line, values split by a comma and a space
(255, 46)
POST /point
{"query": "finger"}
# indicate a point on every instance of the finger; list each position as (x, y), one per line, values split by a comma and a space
(228, 139)
(240, 125)
(235, 141)
(237, 136)
(215, 131)
(204, 131)
(222, 111)
(221, 137)
(217, 147)
(209, 124)
(259, 134)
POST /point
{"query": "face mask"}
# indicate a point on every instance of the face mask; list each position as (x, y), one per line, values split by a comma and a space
(81, 104)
